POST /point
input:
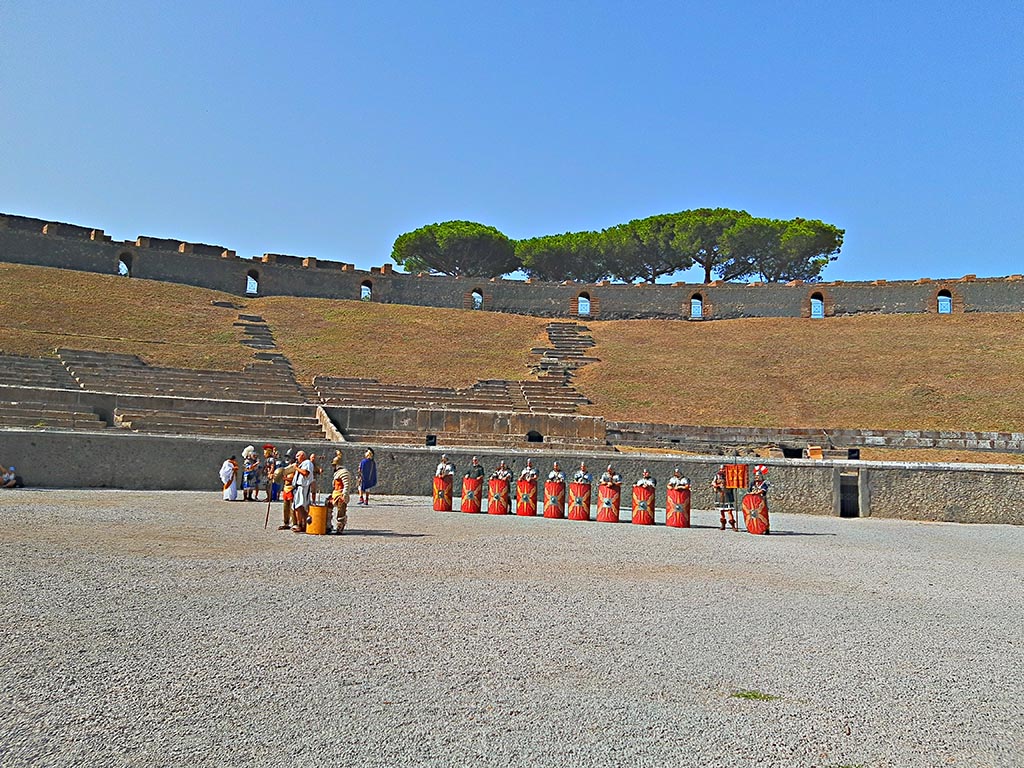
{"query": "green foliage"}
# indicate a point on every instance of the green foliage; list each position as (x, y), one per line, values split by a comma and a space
(754, 695)
(456, 248)
(727, 244)
(570, 256)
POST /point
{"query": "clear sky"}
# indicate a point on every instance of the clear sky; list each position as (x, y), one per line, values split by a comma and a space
(328, 129)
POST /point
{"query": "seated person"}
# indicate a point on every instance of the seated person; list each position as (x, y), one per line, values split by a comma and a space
(11, 480)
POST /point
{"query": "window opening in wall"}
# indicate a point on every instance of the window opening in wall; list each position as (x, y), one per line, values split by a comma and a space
(534, 437)
(478, 299)
(252, 283)
(583, 305)
(817, 306)
(945, 301)
(366, 291)
(696, 307)
(124, 265)
(431, 441)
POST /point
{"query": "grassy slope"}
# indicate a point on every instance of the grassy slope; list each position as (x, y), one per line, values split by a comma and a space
(874, 371)
(165, 324)
(400, 344)
(878, 371)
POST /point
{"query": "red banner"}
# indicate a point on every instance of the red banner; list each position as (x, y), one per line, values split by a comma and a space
(736, 476)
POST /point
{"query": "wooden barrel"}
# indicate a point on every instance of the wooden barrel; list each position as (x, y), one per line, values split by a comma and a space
(643, 505)
(526, 498)
(677, 508)
(755, 513)
(498, 497)
(608, 503)
(554, 499)
(316, 520)
(442, 494)
(472, 493)
(579, 501)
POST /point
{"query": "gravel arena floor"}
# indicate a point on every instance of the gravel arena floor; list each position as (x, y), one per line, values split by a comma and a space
(154, 629)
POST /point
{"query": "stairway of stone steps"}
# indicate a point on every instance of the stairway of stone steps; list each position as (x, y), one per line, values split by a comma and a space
(556, 366)
(257, 335)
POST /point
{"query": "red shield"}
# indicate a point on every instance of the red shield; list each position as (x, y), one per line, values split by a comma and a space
(643, 505)
(755, 513)
(472, 493)
(677, 508)
(498, 497)
(526, 498)
(554, 499)
(442, 494)
(608, 503)
(579, 501)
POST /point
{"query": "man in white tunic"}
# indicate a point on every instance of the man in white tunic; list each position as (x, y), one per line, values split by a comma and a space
(229, 477)
(303, 479)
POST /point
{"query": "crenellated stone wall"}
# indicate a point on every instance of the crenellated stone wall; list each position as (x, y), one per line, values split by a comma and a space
(26, 240)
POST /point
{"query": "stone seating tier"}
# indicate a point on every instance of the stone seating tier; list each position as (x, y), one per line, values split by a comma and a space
(47, 415)
(296, 428)
(454, 439)
(19, 370)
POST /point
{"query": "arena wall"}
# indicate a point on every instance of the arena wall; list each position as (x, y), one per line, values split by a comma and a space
(26, 240)
(940, 492)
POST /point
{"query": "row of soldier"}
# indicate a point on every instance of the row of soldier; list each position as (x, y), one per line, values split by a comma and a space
(577, 492)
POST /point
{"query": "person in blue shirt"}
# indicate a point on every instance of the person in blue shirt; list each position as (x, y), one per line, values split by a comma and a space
(367, 477)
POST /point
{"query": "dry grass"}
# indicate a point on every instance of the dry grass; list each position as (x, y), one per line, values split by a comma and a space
(933, 455)
(955, 372)
(400, 344)
(165, 324)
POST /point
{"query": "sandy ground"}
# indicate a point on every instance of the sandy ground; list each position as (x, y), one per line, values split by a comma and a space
(150, 629)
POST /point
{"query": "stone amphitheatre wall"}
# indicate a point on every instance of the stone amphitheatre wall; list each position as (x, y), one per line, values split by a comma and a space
(26, 240)
(940, 492)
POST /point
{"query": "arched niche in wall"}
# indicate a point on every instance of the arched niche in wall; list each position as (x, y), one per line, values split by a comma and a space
(366, 290)
(817, 306)
(697, 307)
(533, 436)
(945, 302)
(252, 282)
(124, 265)
(476, 299)
(583, 304)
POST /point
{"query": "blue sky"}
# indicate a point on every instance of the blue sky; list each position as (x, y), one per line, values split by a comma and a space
(328, 129)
